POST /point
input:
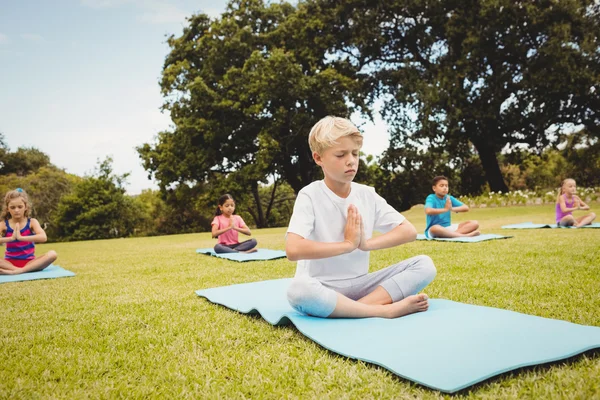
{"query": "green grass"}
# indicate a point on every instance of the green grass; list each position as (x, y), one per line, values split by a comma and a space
(130, 325)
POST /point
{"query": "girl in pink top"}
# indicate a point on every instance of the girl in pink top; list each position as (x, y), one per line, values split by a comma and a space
(226, 226)
(567, 202)
(20, 233)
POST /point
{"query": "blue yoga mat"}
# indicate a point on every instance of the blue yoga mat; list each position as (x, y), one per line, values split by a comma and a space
(474, 239)
(531, 225)
(260, 254)
(450, 347)
(50, 272)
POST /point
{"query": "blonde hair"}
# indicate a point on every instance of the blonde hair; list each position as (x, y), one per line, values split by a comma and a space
(325, 133)
(15, 194)
(560, 192)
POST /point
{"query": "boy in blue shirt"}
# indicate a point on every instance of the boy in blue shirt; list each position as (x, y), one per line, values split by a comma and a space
(438, 206)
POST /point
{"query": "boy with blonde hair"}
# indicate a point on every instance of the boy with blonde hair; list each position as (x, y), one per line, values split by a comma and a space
(330, 235)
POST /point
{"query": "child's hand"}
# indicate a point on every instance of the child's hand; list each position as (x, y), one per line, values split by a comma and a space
(448, 204)
(576, 203)
(352, 232)
(17, 232)
(231, 225)
(363, 239)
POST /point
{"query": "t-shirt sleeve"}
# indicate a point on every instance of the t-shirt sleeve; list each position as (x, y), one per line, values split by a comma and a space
(241, 222)
(386, 216)
(303, 217)
(455, 202)
(429, 203)
(215, 221)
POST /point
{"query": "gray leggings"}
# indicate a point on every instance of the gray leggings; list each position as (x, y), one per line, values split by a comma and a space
(313, 297)
(235, 248)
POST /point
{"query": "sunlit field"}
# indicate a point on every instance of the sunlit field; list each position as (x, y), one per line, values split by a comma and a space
(130, 325)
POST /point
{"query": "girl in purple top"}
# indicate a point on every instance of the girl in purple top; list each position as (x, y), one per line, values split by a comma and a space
(567, 202)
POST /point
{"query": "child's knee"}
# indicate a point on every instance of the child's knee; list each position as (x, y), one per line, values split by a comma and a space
(475, 224)
(52, 255)
(593, 215)
(300, 291)
(427, 267)
(307, 295)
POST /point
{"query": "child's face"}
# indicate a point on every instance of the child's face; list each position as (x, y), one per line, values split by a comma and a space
(17, 208)
(441, 188)
(340, 162)
(228, 207)
(570, 187)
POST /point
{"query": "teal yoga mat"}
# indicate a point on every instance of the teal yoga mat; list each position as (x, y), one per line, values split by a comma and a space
(531, 225)
(50, 272)
(260, 254)
(474, 239)
(449, 347)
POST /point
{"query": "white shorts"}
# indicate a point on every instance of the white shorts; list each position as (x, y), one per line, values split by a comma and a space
(451, 228)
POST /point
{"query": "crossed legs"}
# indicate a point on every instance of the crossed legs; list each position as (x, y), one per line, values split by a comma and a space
(37, 264)
(389, 293)
(467, 228)
(569, 220)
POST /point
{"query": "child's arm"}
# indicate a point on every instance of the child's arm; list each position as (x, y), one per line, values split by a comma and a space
(463, 208)
(437, 211)
(563, 205)
(39, 237)
(4, 239)
(403, 233)
(582, 205)
(216, 231)
(299, 248)
(243, 228)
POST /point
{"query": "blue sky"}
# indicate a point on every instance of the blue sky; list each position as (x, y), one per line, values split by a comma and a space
(79, 79)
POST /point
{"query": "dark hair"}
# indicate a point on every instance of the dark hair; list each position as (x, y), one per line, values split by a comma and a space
(222, 201)
(437, 179)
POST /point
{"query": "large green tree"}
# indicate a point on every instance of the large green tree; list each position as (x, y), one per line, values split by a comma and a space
(495, 73)
(243, 91)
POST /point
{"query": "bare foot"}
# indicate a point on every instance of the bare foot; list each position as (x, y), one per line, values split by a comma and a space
(10, 271)
(474, 233)
(250, 251)
(408, 305)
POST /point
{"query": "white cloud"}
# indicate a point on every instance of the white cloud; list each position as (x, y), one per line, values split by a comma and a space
(33, 37)
(3, 38)
(103, 3)
(152, 11)
(161, 13)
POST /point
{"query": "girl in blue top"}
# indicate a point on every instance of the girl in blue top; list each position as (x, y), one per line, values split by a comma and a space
(438, 206)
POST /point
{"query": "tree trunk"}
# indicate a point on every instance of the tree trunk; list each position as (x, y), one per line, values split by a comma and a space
(270, 206)
(260, 215)
(490, 165)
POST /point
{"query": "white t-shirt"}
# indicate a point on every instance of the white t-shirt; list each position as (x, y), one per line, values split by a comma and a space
(320, 215)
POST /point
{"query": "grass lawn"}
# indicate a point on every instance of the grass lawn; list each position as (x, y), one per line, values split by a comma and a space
(130, 325)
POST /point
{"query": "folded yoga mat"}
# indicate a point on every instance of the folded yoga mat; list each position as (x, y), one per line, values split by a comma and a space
(449, 347)
(531, 225)
(51, 271)
(260, 254)
(474, 239)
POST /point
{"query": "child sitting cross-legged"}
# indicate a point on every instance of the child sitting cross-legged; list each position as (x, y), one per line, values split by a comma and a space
(330, 235)
(438, 206)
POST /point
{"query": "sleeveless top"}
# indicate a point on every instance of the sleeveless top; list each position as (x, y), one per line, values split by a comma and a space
(559, 214)
(19, 250)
